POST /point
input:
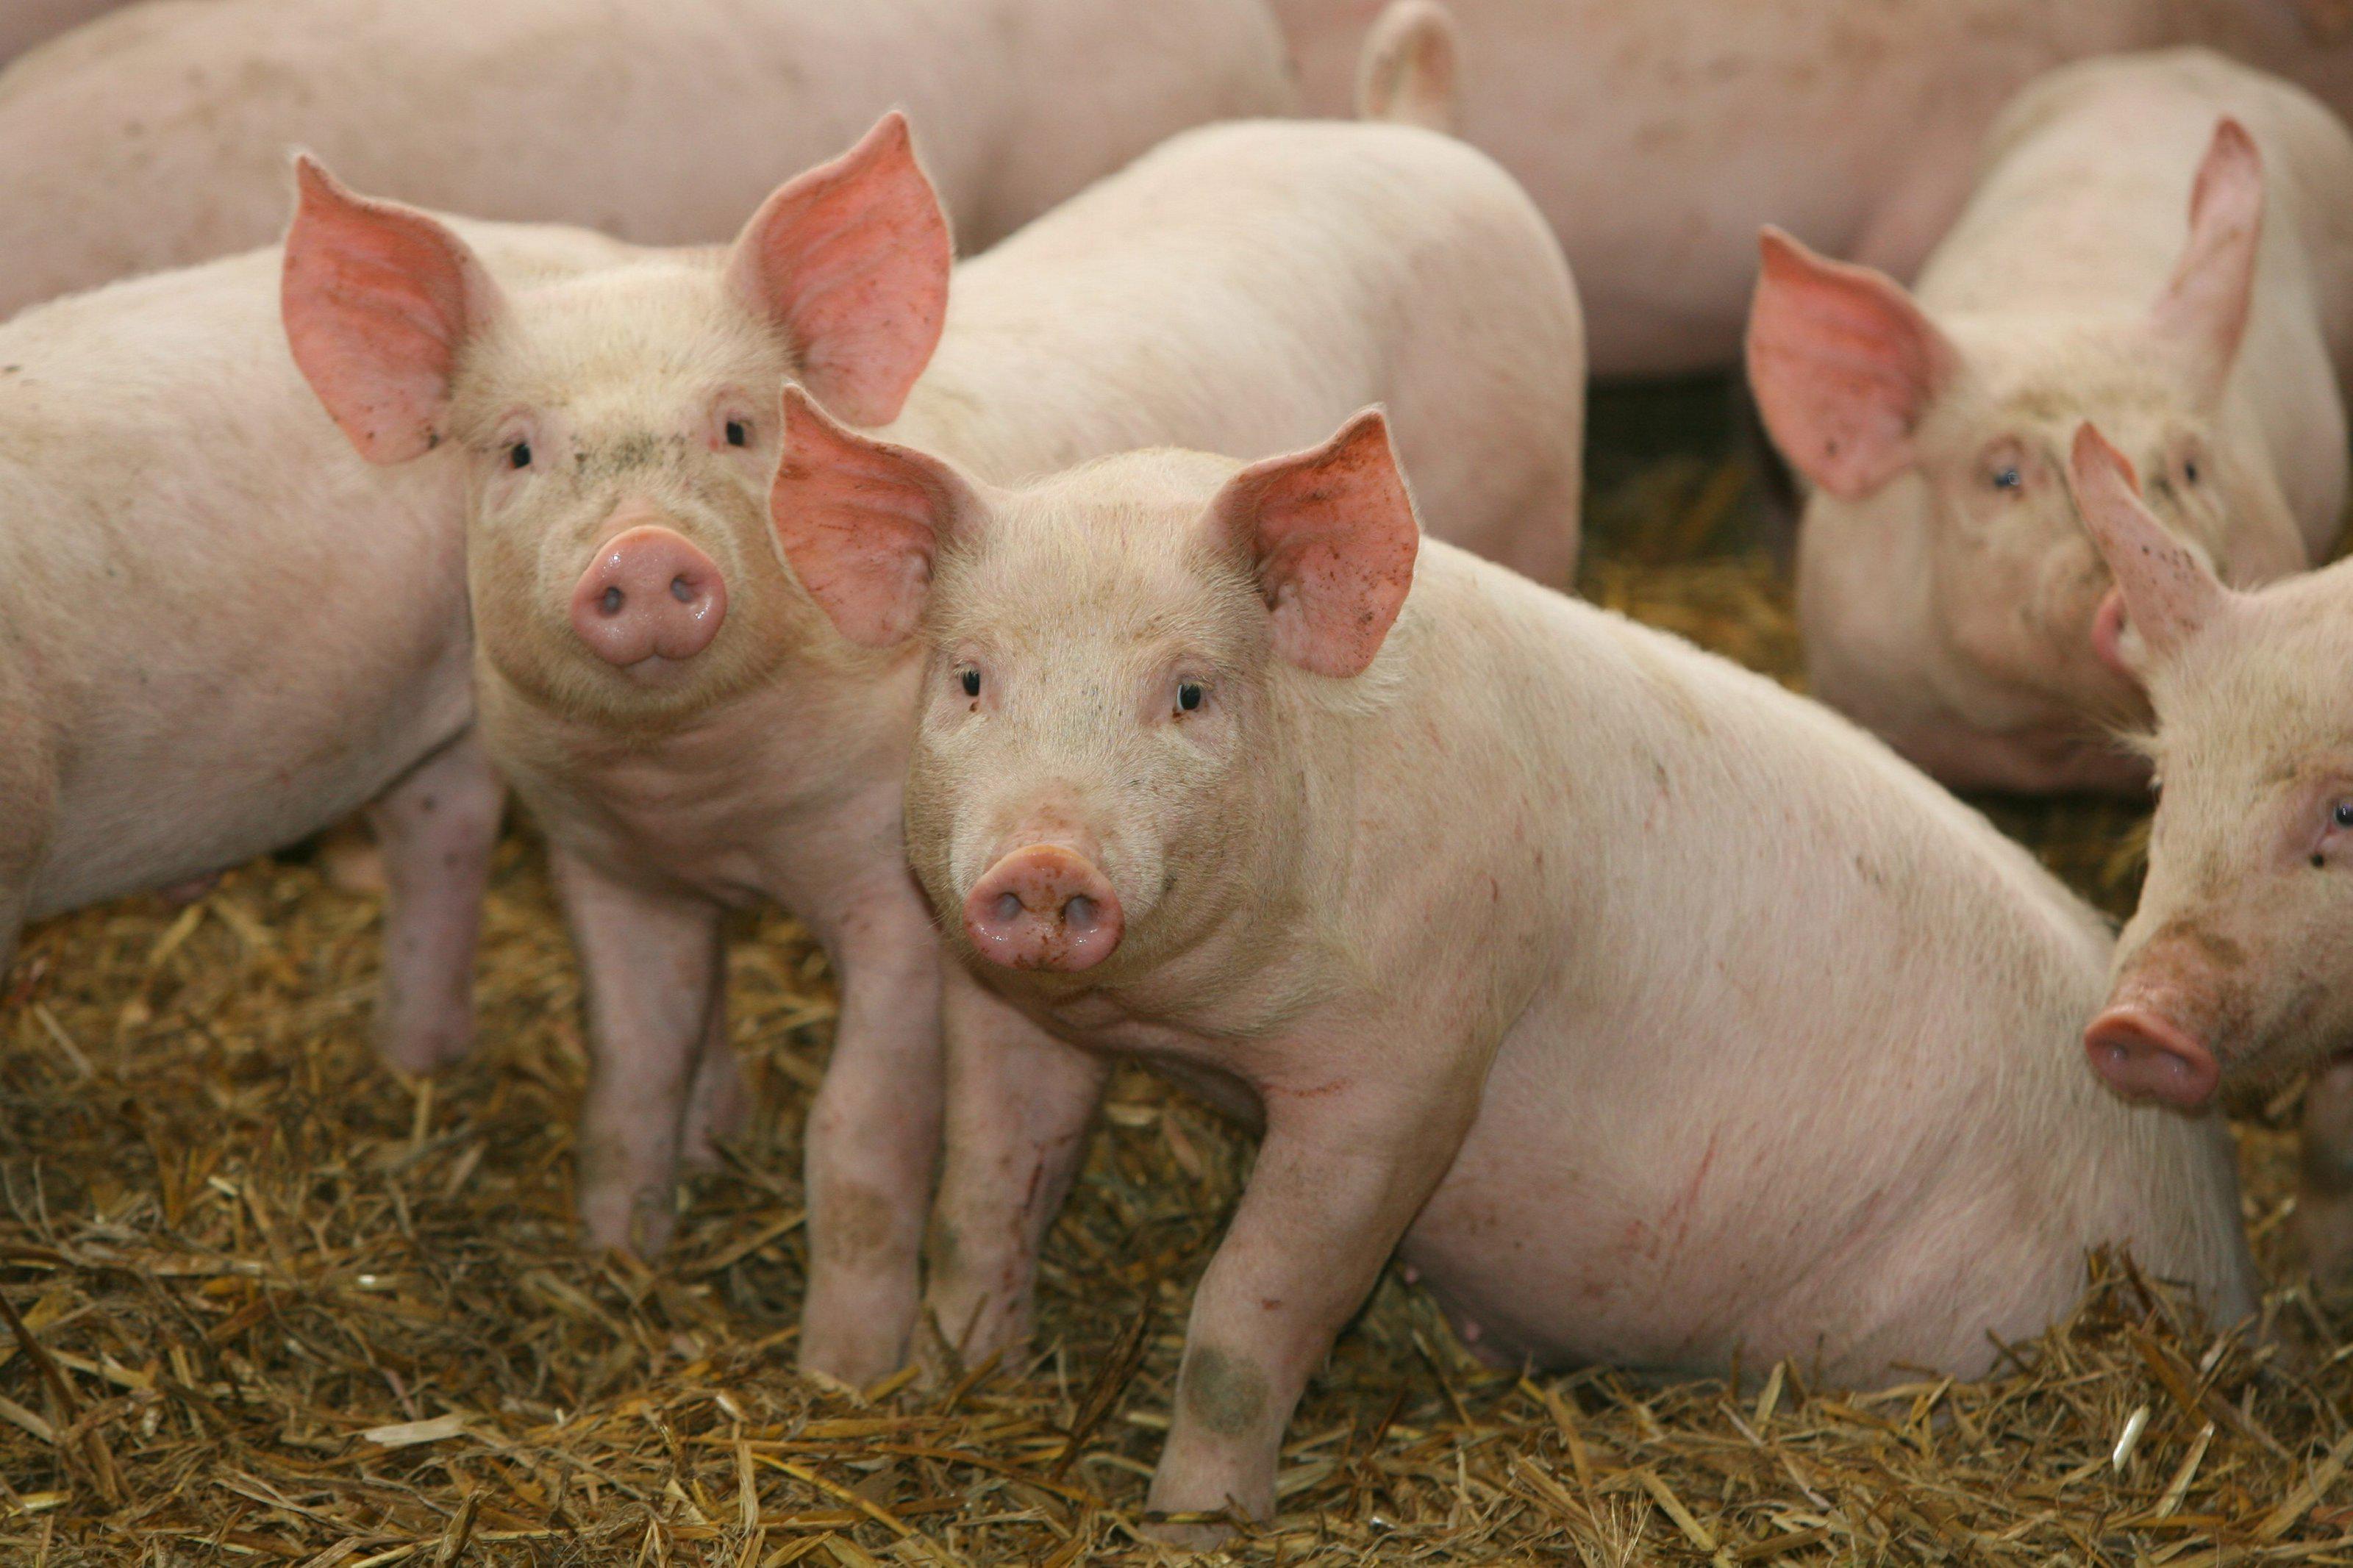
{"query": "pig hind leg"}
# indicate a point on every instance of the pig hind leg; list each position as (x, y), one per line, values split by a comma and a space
(436, 828)
(2325, 1185)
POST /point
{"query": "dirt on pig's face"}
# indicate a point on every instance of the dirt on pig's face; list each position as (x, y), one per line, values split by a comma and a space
(621, 430)
(1098, 682)
(2243, 938)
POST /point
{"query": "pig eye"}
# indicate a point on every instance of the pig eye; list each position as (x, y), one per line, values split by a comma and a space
(519, 455)
(736, 434)
(971, 679)
(1188, 695)
(2190, 471)
(2343, 814)
(2008, 478)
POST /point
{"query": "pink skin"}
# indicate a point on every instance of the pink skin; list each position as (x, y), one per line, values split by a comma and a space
(649, 595)
(1044, 907)
(2143, 1055)
(1384, 825)
(630, 613)
(508, 109)
(171, 725)
(2235, 969)
(1657, 138)
(2175, 286)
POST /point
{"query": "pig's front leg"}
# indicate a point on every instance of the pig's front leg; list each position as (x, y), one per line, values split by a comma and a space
(873, 1141)
(1020, 1104)
(436, 828)
(2323, 1204)
(651, 966)
(1342, 1171)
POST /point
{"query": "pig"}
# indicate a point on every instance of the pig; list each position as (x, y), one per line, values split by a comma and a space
(1946, 589)
(158, 136)
(663, 692)
(2236, 967)
(1657, 1015)
(1658, 138)
(24, 23)
(226, 631)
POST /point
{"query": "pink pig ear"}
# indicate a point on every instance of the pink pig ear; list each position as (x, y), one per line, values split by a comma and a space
(1844, 366)
(861, 521)
(378, 299)
(850, 262)
(2168, 592)
(1333, 534)
(2202, 313)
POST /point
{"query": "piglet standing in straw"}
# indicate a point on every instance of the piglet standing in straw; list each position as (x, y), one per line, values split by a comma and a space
(1661, 1015)
(685, 721)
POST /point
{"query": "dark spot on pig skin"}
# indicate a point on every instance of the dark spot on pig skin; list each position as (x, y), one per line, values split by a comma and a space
(851, 1224)
(1222, 1391)
(2324, 1170)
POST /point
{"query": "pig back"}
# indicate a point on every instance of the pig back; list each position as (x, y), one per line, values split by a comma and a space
(1804, 1068)
(235, 629)
(1245, 288)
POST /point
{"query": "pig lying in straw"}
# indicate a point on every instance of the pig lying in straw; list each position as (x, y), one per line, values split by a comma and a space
(158, 137)
(1660, 1013)
(228, 631)
(1945, 587)
(683, 721)
(2239, 963)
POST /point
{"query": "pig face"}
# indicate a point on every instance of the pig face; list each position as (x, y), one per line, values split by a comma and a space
(1964, 426)
(1108, 650)
(619, 427)
(2239, 963)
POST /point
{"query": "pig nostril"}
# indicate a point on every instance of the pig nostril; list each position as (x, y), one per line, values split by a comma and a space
(1008, 908)
(610, 602)
(681, 590)
(1080, 912)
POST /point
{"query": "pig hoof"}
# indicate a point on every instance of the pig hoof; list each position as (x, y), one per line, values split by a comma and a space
(1192, 1535)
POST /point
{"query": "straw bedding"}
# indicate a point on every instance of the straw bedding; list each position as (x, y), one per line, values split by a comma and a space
(265, 1302)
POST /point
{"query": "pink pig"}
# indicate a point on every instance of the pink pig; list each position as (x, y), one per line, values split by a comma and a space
(2155, 243)
(662, 690)
(158, 136)
(2237, 965)
(1658, 136)
(228, 632)
(1529, 937)
(24, 23)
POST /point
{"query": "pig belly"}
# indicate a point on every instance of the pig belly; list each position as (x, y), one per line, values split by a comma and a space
(1674, 1236)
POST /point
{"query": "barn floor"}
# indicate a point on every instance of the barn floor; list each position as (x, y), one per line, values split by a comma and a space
(267, 1303)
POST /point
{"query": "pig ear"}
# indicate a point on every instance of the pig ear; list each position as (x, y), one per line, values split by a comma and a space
(378, 299)
(2168, 592)
(2203, 312)
(1843, 364)
(1333, 536)
(849, 261)
(861, 521)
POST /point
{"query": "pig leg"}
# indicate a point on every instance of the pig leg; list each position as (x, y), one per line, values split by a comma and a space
(436, 828)
(651, 965)
(2324, 1205)
(715, 1100)
(872, 1142)
(1019, 1106)
(1339, 1177)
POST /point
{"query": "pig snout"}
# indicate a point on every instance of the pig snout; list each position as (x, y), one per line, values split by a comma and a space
(648, 595)
(2142, 1053)
(1044, 907)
